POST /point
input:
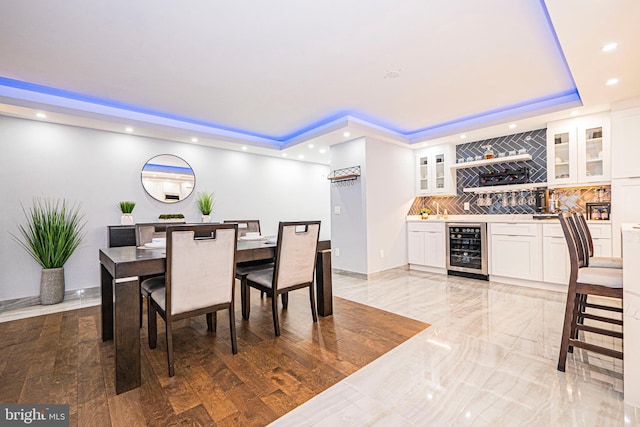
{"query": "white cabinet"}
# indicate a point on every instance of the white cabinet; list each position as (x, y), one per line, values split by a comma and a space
(434, 175)
(416, 247)
(625, 148)
(516, 250)
(426, 244)
(557, 265)
(625, 199)
(578, 150)
(601, 236)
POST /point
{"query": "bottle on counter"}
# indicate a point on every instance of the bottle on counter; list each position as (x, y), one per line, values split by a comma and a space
(488, 153)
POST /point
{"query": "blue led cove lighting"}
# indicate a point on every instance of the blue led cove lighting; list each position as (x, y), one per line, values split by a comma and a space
(567, 98)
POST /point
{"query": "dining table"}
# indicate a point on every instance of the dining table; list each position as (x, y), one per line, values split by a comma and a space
(120, 269)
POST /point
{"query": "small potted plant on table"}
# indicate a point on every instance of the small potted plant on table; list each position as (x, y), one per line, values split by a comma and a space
(171, 217)
(206, 201)
(127, 212)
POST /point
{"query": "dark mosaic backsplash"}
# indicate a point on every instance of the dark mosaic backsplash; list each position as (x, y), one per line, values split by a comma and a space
(535, 144)
(570, 199)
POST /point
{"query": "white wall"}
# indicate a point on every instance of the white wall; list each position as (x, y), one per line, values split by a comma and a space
(99, 169)
(349, 228)
(389, 195)
(373, 208)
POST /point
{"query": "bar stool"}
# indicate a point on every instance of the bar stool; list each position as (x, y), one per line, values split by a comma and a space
(585, 281)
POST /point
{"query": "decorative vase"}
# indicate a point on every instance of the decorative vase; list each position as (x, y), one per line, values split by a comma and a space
(126, 219)
(425, 216)
(52, 286)
(206, 218)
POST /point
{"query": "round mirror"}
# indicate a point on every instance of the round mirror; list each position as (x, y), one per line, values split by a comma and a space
(168, 178)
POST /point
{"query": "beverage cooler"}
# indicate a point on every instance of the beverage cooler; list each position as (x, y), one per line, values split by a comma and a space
(467, 250)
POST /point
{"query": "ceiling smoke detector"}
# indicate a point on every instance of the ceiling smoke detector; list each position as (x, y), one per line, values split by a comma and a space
(392, 74)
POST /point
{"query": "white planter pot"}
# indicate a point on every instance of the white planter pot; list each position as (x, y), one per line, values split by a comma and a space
(206, 218)
(126, 219)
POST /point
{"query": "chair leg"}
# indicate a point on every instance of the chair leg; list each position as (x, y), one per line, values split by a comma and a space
(566, 330)
(245, 300)
(581, 300)
(141, 304)
(152, 324)
(285, 301)
(212, 322)
(261, 294)
(274, 310)
(232, 330)
(312, 299)
(170, 347)
(575, 319)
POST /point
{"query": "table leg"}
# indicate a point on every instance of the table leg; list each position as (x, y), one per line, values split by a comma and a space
(324, 284)
(106, 293)
(127, 334)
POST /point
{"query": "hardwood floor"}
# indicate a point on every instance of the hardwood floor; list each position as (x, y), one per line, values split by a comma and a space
(60, 358)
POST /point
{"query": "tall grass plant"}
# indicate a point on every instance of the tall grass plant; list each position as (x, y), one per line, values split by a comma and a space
(54, 229)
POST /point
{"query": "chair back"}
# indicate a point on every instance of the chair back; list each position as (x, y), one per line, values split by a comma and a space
(245, 225)
(583, 227)
(576, 252)
(146, 232)
(201, 266)
(581, 240)
(295, 260)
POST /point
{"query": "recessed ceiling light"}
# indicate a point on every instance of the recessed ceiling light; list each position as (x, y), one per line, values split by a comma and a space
(322, 151)
(301, 156)
(613, 81)
(575, 113)
(609, 47)
(346, 134)
(463, 136)
(512, 126)
(194, 139)
(284, 154)
(424, 144)
(244, 148)
(41, 115)
(310, 146)
(129, 129)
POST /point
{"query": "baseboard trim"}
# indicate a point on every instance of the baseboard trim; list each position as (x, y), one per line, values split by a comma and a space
(13, 304)
(529, 283)
(436, 270)
(368, 276)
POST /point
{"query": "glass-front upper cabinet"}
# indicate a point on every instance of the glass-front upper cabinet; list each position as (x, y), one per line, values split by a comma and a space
(561, 154)
(440, 171)
(434, 176)
(423, 172)
(578, 150)
(594, 160)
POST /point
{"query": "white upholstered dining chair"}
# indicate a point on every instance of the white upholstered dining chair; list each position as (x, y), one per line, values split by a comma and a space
(294, 268)
(243, 269)
(200, 279)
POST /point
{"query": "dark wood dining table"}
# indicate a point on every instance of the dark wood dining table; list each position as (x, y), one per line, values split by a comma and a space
(120, 268)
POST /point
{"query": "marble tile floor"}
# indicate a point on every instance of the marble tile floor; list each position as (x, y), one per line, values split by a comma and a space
(489, 359)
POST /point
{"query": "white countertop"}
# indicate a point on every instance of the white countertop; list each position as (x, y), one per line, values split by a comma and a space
(524, 219)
